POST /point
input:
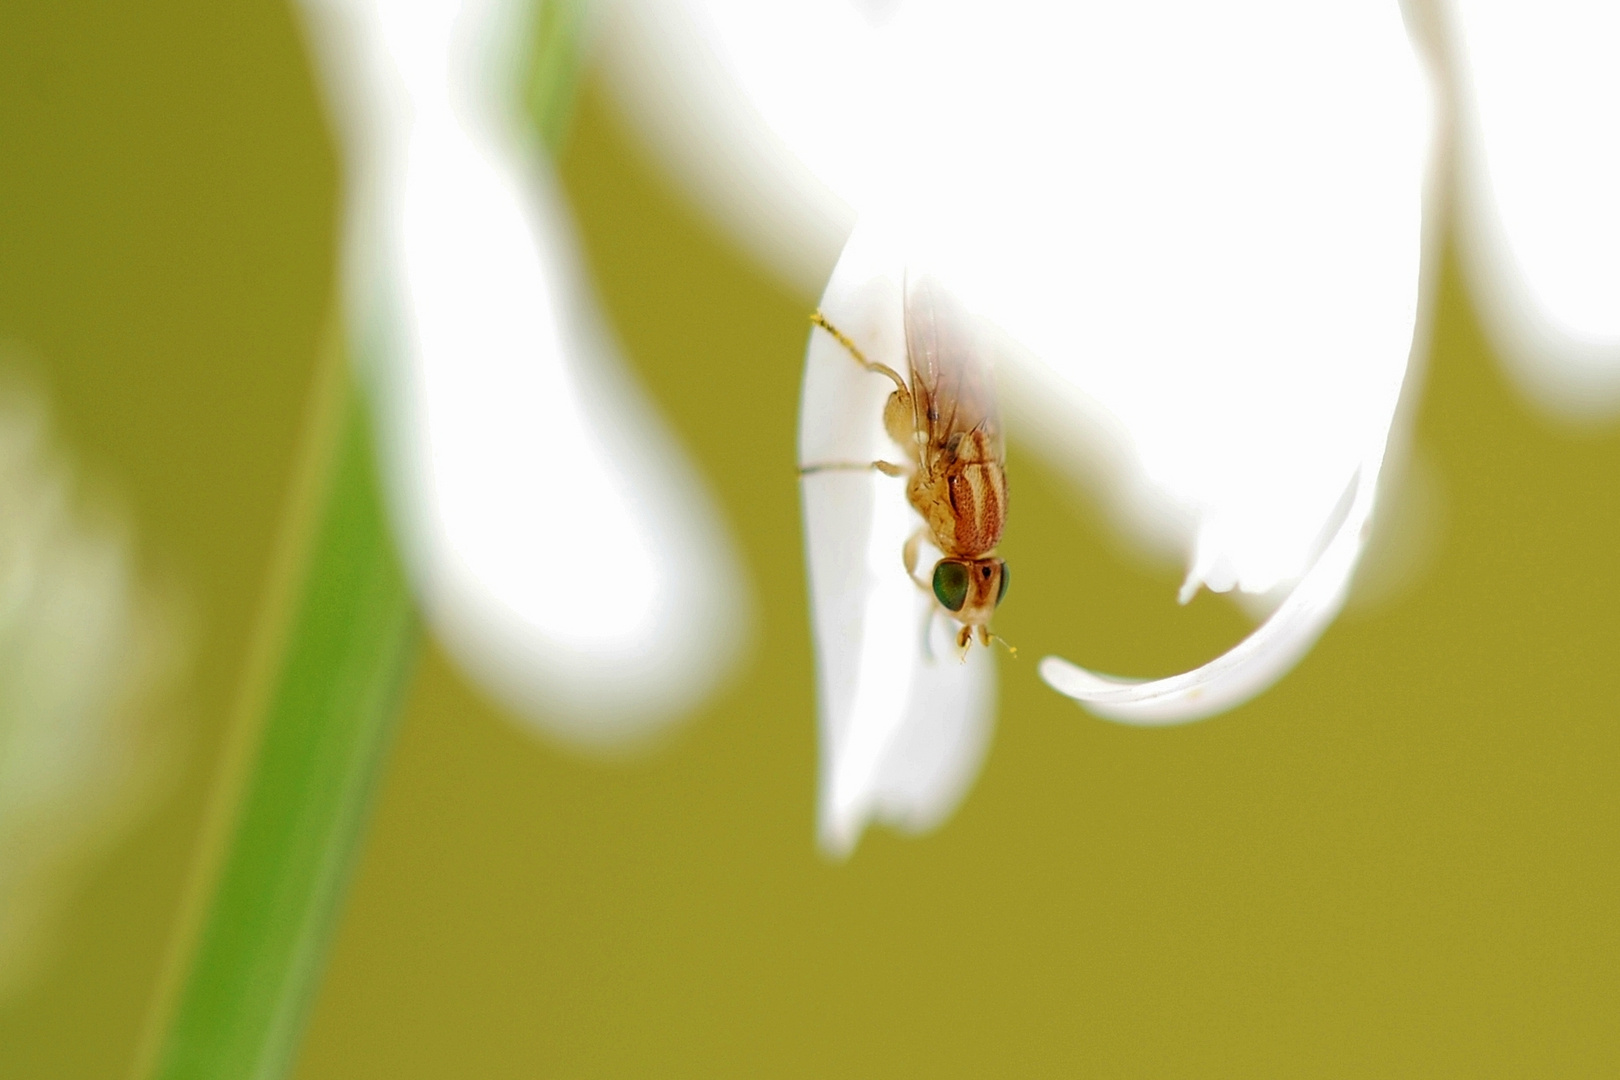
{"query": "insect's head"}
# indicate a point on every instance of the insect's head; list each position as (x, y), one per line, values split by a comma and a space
(970, 589)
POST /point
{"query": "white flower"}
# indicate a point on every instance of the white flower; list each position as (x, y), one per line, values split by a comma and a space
(1194, 231)
(562, 547)
(1193, 235)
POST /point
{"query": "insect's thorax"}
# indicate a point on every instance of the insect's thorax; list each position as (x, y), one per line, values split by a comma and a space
(961, 491)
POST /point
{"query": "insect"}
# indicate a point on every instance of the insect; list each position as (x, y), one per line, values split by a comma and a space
(946, 421)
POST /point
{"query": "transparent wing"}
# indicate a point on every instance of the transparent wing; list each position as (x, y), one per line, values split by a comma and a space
(952, 384)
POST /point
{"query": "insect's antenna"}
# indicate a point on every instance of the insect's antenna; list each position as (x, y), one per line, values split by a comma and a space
(818, 319)
(1012, 650)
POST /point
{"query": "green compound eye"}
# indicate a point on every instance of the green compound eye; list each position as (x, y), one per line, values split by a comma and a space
(1006, 576)
(951, 584)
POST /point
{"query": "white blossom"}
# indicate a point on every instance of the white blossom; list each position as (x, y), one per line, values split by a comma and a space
(1194, 234)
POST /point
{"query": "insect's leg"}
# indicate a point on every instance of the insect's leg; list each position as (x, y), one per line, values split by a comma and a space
(860, 358)
(909, 554)
(887, 468)
(929, 614)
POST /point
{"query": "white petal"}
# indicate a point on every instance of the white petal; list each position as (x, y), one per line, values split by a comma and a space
(904, 724)
(566, 553)
(747, 104)
(1539, 150)
(1255, 663)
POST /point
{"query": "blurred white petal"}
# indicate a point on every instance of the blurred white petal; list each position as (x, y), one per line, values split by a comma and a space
(904, 725)
(756, 107)
(1539, 190)
(85, 646)
(566, 553)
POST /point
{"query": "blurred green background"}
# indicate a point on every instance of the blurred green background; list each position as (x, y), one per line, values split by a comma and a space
(1400, 861)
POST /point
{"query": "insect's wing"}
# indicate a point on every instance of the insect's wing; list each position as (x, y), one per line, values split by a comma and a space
(952, 384)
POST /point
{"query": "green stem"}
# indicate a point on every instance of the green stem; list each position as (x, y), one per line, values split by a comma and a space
(324, 735)
(295, 803)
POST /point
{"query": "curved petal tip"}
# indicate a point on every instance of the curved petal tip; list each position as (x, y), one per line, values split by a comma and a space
(1251, 666)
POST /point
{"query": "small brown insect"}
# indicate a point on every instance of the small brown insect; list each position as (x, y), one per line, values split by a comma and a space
(946, 421)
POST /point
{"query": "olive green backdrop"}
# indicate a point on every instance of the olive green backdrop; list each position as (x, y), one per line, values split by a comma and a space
(1399, 862)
